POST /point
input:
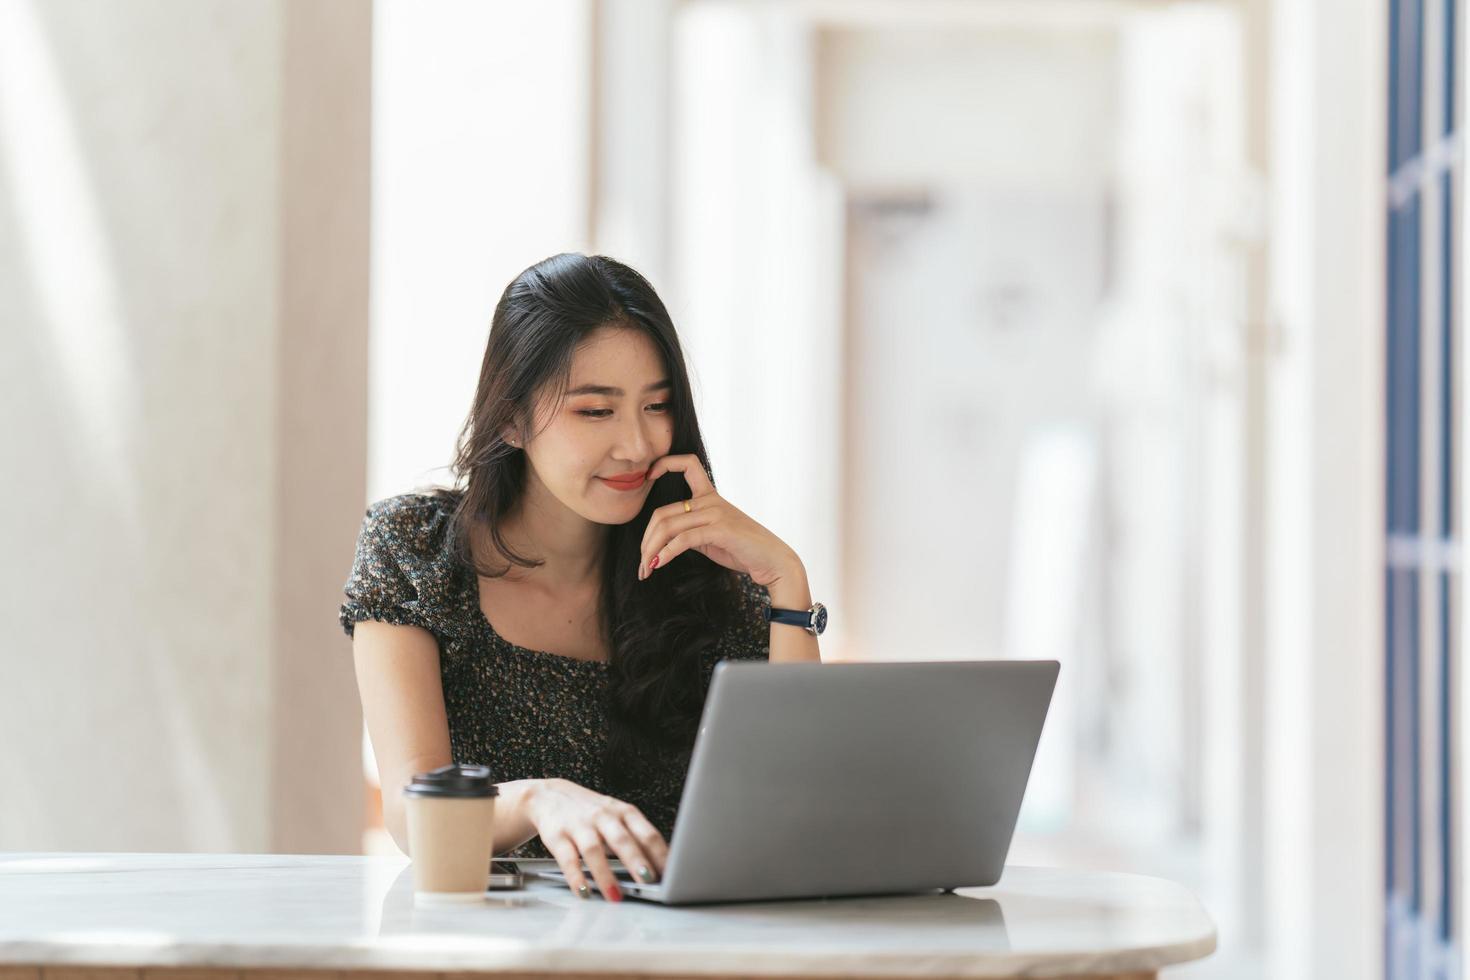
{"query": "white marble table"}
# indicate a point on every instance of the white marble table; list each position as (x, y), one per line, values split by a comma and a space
(214, 917)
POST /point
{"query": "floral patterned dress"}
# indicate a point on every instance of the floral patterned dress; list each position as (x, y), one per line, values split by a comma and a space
(524, 713)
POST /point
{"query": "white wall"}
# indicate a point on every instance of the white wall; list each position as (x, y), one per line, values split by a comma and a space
(482, 148)
(631, 144)
(756, 258)
(481, 161)
(180, 369)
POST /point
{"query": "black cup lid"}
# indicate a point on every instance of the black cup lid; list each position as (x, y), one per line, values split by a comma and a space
(453, 780)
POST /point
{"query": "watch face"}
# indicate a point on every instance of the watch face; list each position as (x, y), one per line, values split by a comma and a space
(821, 618)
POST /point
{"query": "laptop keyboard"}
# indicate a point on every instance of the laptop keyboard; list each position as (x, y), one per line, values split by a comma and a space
(625, 875)
(620, 874)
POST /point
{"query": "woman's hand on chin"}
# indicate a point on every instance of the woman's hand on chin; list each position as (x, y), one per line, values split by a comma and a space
(712, 526)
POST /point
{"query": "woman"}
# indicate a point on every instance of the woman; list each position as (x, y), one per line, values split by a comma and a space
(558, 616)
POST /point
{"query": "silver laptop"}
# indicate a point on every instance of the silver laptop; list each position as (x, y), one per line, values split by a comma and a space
(816, 780)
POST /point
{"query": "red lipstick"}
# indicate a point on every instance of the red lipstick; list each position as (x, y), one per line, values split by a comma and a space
(629, 481)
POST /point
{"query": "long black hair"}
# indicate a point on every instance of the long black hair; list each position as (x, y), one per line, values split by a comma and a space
(657, 630)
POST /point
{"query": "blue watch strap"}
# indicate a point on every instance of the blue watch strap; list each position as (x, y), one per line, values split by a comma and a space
(813, 620)
(792, 617)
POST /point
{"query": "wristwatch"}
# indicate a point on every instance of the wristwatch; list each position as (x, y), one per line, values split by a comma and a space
(813, 620)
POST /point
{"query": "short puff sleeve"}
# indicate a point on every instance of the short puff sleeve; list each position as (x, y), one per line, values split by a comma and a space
(396, 575)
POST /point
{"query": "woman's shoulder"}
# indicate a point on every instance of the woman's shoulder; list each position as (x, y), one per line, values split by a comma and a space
(412, 523)
(409, 509)
(404, 570)
(412, 532)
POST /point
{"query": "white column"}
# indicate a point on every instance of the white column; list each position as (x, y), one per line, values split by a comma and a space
(631, 145)
(481, 149)
(1324, 662)
(757, 249)
(182, 287)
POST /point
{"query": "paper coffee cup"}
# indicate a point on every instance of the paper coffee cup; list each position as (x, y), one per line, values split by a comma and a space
(451, 832)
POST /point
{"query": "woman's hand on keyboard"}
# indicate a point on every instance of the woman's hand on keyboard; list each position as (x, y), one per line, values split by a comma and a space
(577, 824)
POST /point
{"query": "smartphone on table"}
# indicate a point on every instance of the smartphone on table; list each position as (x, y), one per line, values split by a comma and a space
(504, 874)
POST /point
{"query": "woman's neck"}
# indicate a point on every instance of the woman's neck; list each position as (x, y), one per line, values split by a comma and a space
(570, 547)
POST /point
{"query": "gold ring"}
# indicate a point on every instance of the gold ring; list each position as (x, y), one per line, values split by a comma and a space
(687, 508)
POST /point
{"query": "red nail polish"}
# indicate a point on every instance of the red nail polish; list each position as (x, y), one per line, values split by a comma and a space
(616, 894)
(654, 564)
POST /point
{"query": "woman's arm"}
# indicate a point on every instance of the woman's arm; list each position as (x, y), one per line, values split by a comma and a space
(403, 704)
(727, 536)
(792, 644)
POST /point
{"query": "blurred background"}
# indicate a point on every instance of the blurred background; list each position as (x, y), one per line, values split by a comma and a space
(1122, 333)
